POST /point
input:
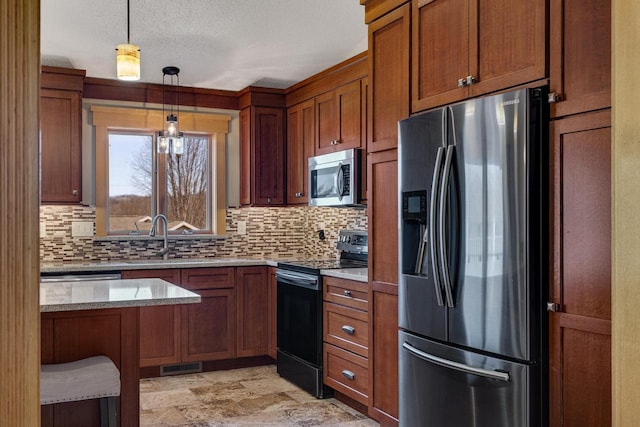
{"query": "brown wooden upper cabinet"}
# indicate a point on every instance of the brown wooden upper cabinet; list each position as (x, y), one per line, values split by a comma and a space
(301, 134)
(388, 77)
(339, 118)
(61, 135)
(580, 56)
(466, 48)
(262, 144)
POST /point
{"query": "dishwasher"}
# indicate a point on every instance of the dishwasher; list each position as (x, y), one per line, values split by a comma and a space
(79, 277)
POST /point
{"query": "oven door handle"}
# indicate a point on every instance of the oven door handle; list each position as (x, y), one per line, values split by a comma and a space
(296, 279)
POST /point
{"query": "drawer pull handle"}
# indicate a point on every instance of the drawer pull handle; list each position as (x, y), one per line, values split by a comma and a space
(349, 329)
(349, 375)
(347, 293)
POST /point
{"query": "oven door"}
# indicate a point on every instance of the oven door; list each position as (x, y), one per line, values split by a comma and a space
(300, 315)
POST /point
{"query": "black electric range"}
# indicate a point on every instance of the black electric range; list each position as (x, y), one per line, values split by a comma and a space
(300, 312)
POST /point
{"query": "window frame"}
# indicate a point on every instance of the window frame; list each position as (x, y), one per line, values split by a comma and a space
(118, 119)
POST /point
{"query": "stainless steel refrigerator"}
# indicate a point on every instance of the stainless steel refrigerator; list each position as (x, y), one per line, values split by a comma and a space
(473, 225)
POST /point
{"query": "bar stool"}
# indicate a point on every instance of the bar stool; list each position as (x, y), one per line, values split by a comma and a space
(91, 378)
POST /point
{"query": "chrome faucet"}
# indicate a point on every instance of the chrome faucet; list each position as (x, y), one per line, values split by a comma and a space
(152, 232)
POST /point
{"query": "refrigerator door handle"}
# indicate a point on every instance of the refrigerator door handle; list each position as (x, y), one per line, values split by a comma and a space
(444, 264)
(432, 225)
(494, 375)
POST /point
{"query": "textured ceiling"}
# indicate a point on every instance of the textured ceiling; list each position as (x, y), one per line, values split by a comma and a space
(217, 44)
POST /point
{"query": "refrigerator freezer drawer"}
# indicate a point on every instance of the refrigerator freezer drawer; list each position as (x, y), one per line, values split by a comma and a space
(443, 386)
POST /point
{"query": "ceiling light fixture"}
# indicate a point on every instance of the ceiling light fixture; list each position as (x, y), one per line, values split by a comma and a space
(128, 58)
(170, 139)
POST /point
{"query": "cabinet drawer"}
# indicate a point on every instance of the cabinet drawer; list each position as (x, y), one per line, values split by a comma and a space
(347, 328)
(346, 292)
(208, 278)
(346, 372)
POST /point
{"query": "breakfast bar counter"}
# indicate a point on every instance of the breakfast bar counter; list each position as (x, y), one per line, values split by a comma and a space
(92, 318)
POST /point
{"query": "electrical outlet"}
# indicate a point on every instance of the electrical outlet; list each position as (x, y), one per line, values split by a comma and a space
(43, 229)
(82, 229)
(242, 227)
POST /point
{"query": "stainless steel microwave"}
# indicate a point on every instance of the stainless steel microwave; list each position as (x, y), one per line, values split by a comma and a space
(334, 178)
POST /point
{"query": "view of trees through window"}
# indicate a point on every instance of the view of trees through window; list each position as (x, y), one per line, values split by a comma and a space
(143, 183)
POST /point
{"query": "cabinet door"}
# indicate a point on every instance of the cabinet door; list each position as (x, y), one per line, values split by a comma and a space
(580, 55)
(507, 43)
(384, 353)
(580, 329)
(252, 285)
(440, 52)
(208, 328)
(349, 99)
(159, 325)
(268, 162)
(273, 314)
(388, 78)
(327, 122)
(245, 156)
(383, 282)
(300, 146)
(60, 146)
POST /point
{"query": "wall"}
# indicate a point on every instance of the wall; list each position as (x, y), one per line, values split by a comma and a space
(287, 232)
(625, 215)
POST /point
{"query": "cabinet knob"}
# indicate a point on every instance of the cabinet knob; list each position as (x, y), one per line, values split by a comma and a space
(74, 192)
(471, 80)
(268, 199)
(349, 375)
(347, 293)
(553, 97)
(552, 306)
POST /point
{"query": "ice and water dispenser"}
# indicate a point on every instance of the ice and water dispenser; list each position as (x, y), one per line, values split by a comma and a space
(415, 234)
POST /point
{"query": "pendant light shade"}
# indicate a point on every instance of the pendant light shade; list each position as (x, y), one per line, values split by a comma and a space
(128, 62)
(170, 139)
(128, 58)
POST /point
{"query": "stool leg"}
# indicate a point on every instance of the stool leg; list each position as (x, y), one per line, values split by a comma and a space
(108, 414)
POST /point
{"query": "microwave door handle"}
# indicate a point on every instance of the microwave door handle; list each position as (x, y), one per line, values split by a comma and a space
(339, 181)
(432, 225)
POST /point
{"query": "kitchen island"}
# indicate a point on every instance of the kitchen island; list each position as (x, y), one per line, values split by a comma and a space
(90, 318)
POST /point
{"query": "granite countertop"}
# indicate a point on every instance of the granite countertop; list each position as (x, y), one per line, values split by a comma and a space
(357, 274)
(100, 294)
(145, 264)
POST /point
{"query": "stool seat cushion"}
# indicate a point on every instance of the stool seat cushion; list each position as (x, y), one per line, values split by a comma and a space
(90, 378)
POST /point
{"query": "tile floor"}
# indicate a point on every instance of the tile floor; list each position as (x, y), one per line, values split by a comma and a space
(241, 397)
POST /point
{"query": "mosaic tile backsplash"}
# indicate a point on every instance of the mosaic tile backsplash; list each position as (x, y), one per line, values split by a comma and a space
(287, 232)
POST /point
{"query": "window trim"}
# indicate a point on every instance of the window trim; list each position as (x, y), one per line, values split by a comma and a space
(106, 119)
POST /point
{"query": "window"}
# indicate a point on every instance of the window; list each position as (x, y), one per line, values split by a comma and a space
(134, 182)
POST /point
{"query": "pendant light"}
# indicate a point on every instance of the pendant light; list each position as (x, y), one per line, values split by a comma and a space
(128, 58)
(170, 139)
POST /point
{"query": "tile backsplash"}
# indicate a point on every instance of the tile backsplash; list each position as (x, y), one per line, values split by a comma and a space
(287, 232)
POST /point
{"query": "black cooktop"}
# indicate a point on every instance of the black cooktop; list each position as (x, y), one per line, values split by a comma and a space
(314, 266)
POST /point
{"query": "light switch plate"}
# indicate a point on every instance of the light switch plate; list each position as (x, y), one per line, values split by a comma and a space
(242, 227)
(82, 229)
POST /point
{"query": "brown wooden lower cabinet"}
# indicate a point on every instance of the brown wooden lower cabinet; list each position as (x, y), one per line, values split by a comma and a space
(208, 328)
(72, 335)
(159, 325)
(252, 320)
(580, 329)
(346, 337)
(235, 318)
(273, 314)
(384, 354)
